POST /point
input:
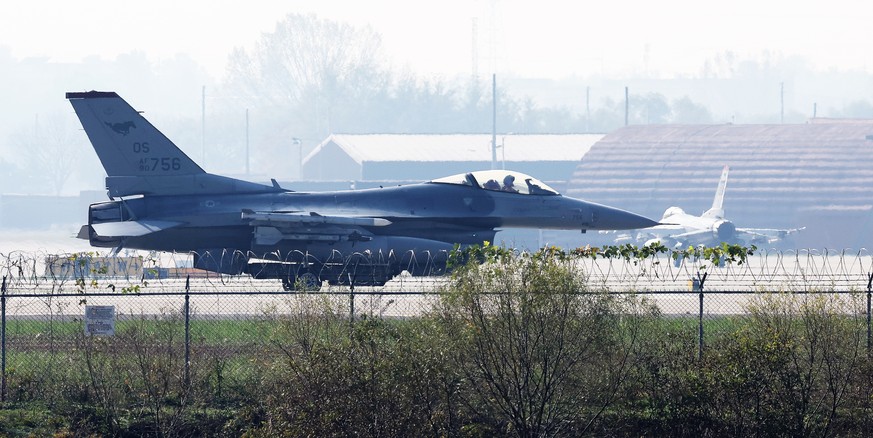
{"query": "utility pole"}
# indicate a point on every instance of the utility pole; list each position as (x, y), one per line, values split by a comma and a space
(299, 143)
(203, 126)
(588, 110)
(247, 142)
(626, 106)
(475, 51)
(493, 121)
(782, 102)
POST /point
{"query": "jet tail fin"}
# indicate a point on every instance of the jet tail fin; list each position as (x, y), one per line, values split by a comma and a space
(717, 209)
(137, 157)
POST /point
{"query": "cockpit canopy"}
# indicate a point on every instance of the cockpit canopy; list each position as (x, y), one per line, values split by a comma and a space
(672, 211)
(500, 181)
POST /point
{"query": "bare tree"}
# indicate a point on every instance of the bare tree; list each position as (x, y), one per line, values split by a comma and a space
(308, 78)
(48, 151)
(685, 110)
(309, 61)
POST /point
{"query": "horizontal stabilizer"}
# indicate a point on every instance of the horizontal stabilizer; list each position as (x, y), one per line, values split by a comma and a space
(295, 218)
(772, 231)
(132, 228)
(768, 235)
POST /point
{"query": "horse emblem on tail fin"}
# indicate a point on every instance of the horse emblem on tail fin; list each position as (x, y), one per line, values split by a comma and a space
(121, 128)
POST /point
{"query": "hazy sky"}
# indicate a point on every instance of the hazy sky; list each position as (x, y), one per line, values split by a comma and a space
(546, 38)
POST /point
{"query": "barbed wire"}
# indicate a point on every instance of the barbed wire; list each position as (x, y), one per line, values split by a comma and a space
(153, 272)
(773, 270)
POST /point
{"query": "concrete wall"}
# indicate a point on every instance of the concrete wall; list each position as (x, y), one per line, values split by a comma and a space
(37, 212)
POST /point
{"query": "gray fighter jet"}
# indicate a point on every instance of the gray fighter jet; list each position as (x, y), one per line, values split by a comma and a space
(162, 200)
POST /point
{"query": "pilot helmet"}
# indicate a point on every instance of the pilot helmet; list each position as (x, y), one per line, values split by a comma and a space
(508, 180)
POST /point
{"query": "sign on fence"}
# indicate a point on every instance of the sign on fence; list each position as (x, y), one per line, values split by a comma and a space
(100, 320)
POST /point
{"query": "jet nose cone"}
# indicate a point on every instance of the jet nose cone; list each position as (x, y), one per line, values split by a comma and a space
(610, 218)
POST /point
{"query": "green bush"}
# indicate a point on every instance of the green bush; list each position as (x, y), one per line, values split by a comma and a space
(538, 352)
(518, 344)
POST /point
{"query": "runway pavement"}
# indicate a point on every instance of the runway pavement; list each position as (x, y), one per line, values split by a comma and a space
(728, 289)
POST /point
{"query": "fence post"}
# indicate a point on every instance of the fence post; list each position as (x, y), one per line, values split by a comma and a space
(187, 330)
(351, 300)
(869, 288)
(3, 341)
(700, 280)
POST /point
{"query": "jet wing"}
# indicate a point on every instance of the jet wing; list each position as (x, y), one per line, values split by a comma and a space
(774, 232)
(690, 235)
(674, 236)
(661, 231)
(132, 228)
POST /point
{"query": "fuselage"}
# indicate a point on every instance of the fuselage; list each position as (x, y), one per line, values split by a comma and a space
(434, 211)
(684, 229)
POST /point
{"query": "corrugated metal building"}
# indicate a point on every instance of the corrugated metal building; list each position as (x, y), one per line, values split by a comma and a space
(424, 157)
(816, 175)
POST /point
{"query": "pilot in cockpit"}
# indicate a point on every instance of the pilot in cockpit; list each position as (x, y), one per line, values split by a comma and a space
(492, 184)
(508, 184)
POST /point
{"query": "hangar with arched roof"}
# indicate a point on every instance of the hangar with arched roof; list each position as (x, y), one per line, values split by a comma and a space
(816, 175)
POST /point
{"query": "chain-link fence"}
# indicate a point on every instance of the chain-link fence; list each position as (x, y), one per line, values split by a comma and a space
(216, 328)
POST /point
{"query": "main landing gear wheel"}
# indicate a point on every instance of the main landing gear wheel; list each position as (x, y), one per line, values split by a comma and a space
(309, 282)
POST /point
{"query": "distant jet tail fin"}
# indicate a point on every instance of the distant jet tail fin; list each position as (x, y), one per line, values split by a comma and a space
(138, 158)
(717, 210)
